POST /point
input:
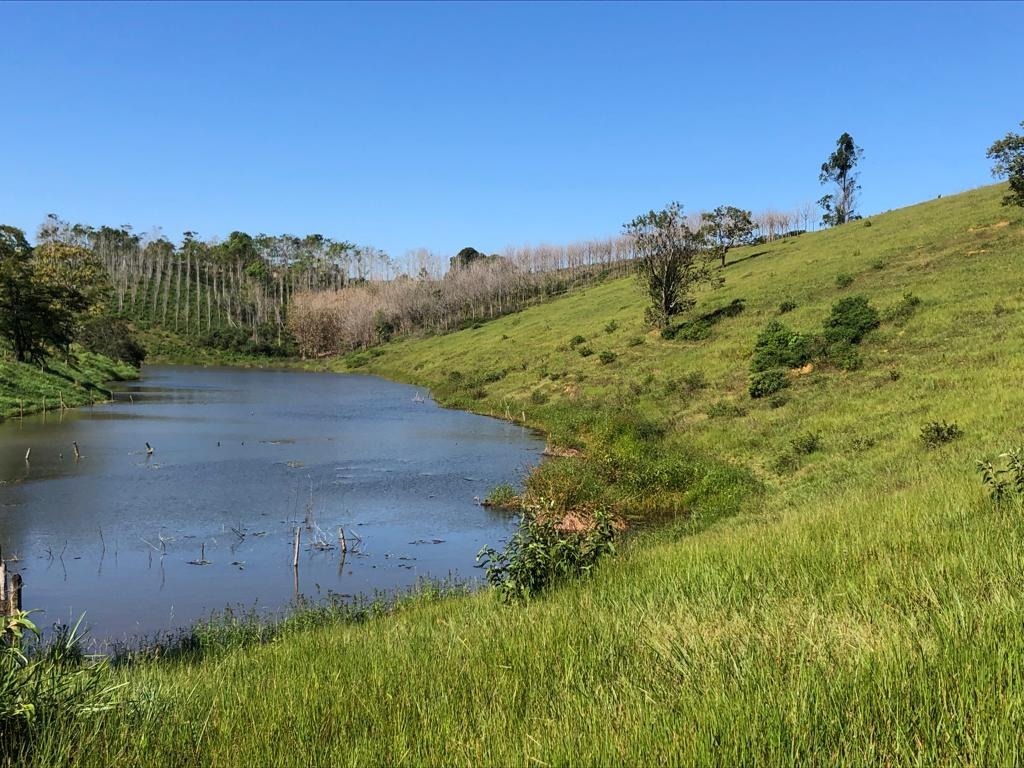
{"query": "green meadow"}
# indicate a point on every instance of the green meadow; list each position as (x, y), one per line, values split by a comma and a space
(805, 579)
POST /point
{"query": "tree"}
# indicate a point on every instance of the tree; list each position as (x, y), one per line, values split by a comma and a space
(728, 226)
(840, 169)
(1008, 156)
(671, 260)
(33, 313)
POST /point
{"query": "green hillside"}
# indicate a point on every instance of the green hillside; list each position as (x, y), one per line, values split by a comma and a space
(828, 589)
(77, 380)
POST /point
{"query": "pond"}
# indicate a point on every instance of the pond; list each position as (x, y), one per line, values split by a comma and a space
(240, 458)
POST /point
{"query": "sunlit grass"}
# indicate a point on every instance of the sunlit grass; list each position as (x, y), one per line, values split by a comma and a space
(860, 603)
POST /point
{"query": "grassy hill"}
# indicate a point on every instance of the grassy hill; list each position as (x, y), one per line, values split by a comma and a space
(79, 380)
(849, 596)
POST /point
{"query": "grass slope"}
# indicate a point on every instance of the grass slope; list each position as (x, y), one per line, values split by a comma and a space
(864, 609)
(26, 388)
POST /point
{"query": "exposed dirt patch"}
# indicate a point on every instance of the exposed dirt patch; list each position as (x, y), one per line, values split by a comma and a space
(562, 453)
(581, 522)
(804, 369)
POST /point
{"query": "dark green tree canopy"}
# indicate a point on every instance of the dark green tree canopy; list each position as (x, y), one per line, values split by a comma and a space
(1007, 155)
(840, 169)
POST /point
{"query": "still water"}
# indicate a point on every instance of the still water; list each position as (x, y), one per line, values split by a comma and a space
(240, 458)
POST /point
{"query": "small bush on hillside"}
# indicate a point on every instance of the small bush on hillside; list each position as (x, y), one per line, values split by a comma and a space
(787, 306)
(611, 327)
(778, 346)
(725, 409)
(585, 351)
(607, 357)
(936, 433)
(778, 401)
(850, 320)
(669, 332)
(805, 444)
(636, 341)
(539, 555)
(575, 341)
(767, 383)
(694, 381)
(845, 356)
(111, 336)
(785, 463)
(696, 330)
(902, 310)
(1001, 481)
(878, 264)
(844, 280)
(538, 397)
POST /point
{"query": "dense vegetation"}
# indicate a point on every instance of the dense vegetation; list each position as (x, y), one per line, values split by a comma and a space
(834, 583)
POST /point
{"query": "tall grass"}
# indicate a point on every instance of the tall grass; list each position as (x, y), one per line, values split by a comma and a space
(859, 603)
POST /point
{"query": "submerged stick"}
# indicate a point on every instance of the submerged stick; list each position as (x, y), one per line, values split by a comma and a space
(78, 455)
(295, 553)
(27, 454)
(341, 540)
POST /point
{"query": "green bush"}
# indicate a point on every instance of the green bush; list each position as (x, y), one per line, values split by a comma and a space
(936, 433)
(539, 555)
(585, 351)
(778, 346)
(724, 409)
(902, 310)
(787, 306)
(607, 357)
(576, 340)
(111, 336)
(636, 341)
(844, 280)
(850, 320)
(807, 443)
(845, 356)
(611, 327)
(503, 496)
(767, 383)
(538, 397)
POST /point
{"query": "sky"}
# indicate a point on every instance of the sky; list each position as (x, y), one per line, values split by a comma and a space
(485, 124)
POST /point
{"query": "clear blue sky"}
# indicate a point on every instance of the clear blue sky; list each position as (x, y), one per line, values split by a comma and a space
(408, 125)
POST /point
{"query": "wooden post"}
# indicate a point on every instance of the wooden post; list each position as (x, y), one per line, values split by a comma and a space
(14, 595)
(3, 585)
(341, 540)
(295, 554)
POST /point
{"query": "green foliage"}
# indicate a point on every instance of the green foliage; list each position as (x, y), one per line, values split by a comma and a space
(540, 556)
(767, 383)
(503, 496)
(936, 433)
(47, 690)
(902, 311)
(844, 280)
(852, 317)
(611, 326)
(877, 264)
(539, 397)
(111, 336)
(635, 341)
(1007, 155)
(724, 409)
(728, 226)
(840, 170)
(787, 306)
(1002, 481)
(584, 351)
(671, 261)
(575, 341)
(778, 346)
(844, 356)
(806, 443)
(607, 357)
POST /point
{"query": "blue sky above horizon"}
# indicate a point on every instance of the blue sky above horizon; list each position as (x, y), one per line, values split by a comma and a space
(444, 125)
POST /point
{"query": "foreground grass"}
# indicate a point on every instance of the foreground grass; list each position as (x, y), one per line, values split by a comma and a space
(864, 608)
(79, 379)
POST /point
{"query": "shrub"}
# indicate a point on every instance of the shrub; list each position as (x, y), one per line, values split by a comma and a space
(669, 332)
(878, 264)
(807, 443)
(850, 320)
(902, 310)
(111, 336)
(767, 383)
(503, 496)
(778, 401)
(636, 341)
(611, 327)
(936, 433)
(845, 356)
(844, 280)
(575, 341)
(539, 555)
(778, 346)
(585, 351)
(694, 381)
(725, 409)
(607, 357)
(538, 397)
(787, 306)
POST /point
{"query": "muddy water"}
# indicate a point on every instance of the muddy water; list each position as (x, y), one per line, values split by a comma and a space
(240, 458)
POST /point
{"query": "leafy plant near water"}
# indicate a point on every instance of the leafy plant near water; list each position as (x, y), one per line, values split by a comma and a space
(540, 555)
(46, 689)
(503, 495)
